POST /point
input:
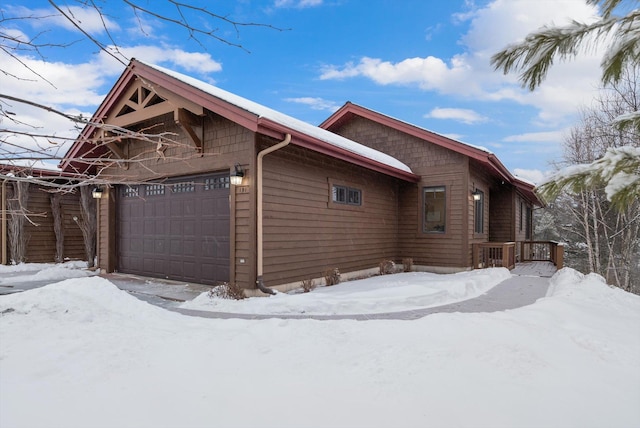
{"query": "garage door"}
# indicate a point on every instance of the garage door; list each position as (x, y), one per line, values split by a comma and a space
(176, 229)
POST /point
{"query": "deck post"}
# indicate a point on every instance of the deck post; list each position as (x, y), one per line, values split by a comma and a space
(559, 256)
(476, 259)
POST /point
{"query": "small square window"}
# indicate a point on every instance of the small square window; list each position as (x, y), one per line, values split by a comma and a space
(346, 195)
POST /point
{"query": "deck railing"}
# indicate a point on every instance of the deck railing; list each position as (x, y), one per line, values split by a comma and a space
(503, 254)
(548, 251)
(494, 254)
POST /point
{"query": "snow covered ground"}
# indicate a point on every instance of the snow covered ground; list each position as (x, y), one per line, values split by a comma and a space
(400, 292)
(83, 353)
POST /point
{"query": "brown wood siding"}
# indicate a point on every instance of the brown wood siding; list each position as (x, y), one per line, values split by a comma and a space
(305, 233)
(479, 180)
(438, 167)
(41, 247)
(106, 231)
(224, 144)
(502, 219)
(521, 225)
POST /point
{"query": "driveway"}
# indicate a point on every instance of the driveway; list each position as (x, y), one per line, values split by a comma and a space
(528, 284)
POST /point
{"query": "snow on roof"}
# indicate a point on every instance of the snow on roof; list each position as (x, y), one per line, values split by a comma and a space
(286, 120)
(30, 164)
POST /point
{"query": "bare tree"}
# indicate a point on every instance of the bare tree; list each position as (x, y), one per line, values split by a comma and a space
(17, 206)
(603, 235)
(58, 225)
(199, 25)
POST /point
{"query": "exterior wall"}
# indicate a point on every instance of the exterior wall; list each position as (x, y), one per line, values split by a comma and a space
(438, 167)
(503, 216)
(480, 180)
(305, 233)
(224, 145)
(41, 244)
(520, 218)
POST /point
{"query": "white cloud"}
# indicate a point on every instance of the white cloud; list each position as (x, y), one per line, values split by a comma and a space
(66, 84)
(533, 175)
(300, 4)
(89, 18)
(428, 73)
(68, 87)
(197, 62)
(315, 103)
(457, 137)
(459, 114)
(469, 74)
(539, 137)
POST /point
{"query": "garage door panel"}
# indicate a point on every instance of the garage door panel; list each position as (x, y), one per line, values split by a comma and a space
(188, 227)
(188, 247)
(178, 231)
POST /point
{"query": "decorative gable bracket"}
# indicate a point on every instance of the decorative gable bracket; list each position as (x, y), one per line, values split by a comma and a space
(192, 125)
(109, 140)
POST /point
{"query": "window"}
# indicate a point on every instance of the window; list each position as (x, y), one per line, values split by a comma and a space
(154, 189)
(216, 183)
(521, 216)
(130, 192)
(184, 187)
(434, 213)
(479, 211)
(528, 216)
(346, 195)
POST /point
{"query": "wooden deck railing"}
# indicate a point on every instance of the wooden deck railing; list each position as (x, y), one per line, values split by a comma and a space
(503, 254)
(494, 254)
(547, 251)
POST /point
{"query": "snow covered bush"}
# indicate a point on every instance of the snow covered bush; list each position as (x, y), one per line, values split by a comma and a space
(332, 276)
(227, 291)
(308, 285)
(387, 267)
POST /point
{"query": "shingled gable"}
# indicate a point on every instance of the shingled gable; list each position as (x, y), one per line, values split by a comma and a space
(246, 113)
(483, 156)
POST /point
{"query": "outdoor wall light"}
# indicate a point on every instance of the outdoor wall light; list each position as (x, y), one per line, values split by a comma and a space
(477, 195)
(97, 193)
(236, 175)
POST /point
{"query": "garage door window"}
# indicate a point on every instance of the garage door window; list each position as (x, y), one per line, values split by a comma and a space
(154, 190)
(216, 183)
(184, 187)
(130, 192)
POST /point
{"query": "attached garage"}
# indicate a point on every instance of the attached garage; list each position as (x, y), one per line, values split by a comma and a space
(176, 229)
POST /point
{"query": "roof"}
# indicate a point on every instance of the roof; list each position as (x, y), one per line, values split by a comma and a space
(480, 154)
(247, 113)
(44, 171)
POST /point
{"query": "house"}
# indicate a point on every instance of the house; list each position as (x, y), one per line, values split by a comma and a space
(41, 217)
(357, 190)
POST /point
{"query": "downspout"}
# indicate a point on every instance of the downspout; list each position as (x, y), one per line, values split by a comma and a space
(3, 210)
(259, 281)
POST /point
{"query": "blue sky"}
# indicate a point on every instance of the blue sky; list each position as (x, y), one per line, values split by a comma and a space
(425, 62)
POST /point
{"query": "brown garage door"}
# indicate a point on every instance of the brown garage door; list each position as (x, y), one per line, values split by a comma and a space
(177, 229)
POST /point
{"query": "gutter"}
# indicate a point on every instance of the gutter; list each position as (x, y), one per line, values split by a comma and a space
(3, 221)
(261, 155)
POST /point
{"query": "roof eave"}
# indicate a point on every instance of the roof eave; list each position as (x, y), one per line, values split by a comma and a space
(277, 130)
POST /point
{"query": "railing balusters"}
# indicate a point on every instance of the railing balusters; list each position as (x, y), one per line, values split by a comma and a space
(492, 254)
